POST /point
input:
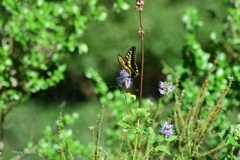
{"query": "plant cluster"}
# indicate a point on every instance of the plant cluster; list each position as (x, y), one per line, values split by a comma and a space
(200, 99)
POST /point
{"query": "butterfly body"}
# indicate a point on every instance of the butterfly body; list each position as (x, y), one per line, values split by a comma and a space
(128, 62)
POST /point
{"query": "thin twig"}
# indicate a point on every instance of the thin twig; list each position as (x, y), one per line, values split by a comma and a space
(141, 32)
(59, 133)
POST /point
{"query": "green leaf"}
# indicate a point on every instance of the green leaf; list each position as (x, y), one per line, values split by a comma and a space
(171, 138)
(131, 96)
(231, 140)
(123, 125)
(152, 135)
(82, 48)
(163, 149)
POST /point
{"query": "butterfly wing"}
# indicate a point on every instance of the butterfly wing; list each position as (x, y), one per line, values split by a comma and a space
(132, 61)
(124, 63)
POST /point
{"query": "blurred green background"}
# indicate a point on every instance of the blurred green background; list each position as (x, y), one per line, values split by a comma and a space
(162, 22)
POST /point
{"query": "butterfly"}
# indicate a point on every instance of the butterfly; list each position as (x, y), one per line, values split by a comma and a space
(128, 62)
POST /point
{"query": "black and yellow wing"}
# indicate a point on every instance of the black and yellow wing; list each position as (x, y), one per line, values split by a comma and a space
(129, 62)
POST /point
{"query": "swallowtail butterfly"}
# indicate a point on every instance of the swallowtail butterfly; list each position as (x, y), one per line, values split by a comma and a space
(128, 62)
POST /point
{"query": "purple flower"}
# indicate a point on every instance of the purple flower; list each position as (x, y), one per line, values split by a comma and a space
(167, 129)
(124, 78)
(165, 87)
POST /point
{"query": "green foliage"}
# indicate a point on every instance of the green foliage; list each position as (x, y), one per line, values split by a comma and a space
(36, 36)
(192, 129)
(200, 99)
(124, 110)
(51, 145)
(120, 5)
(202, 106)
(191, 20)
(206, 86)
(197, 63)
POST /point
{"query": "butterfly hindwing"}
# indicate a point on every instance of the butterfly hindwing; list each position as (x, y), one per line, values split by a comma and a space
(133, 62)
(129, 62)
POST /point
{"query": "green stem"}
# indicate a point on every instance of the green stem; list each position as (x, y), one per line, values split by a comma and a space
(136, 140)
